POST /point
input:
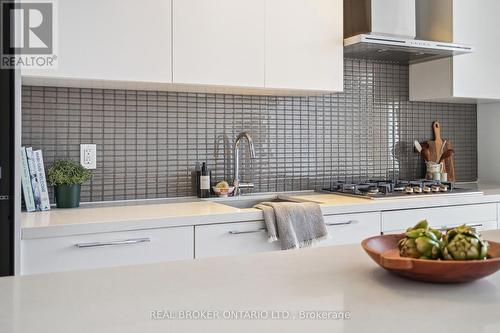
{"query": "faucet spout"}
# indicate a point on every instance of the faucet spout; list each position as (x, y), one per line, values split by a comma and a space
(245, 135)
(238, 185)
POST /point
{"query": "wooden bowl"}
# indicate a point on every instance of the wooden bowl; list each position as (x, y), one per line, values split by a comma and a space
(384, 251)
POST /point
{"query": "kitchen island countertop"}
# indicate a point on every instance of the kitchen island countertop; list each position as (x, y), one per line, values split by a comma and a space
(287, 284)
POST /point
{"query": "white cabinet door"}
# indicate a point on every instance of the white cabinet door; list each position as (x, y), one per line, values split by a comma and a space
(118, 40)
(232, 239)
(304, 44)
(57, 254)
(467, 77)
(351, 228)
(482, 217)
(219, 42)
(476, 75)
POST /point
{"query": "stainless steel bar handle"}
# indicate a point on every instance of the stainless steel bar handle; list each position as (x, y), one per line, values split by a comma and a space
(113, 243)
(235, 232)
(342, 223)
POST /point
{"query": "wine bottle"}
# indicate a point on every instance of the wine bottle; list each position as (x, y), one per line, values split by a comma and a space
(204, 181)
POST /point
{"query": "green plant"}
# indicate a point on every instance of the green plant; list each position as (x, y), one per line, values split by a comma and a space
(67, 173)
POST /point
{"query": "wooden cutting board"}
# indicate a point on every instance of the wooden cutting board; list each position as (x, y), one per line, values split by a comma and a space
(437, 147)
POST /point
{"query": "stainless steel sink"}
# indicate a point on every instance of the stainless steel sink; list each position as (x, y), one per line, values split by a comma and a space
(243, 202)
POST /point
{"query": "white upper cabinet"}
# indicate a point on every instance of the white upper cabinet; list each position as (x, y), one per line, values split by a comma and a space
(304, 44)
(219, 42)
(116, 40)
(472, 77)
(243, 46)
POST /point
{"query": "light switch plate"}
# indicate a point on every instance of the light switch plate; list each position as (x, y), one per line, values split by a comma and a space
(88, 156)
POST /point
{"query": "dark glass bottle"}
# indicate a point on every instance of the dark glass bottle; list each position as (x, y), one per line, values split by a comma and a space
(204, 181)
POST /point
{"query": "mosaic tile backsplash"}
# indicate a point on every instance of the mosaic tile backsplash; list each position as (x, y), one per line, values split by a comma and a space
(149, 142)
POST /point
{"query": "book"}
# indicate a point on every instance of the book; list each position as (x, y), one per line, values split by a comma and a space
(35, 184)
(26, 182)
(42, 180)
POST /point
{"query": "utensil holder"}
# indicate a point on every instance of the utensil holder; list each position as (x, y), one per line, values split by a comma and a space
(432, 168)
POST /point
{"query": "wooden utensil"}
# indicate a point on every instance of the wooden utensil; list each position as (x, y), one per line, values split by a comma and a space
(384, 251)
(447, 154)
(426, 154)
(436, 127)
(437, 147)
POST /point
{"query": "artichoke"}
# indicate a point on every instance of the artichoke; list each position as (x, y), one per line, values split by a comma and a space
(464, 243)
(421, 242)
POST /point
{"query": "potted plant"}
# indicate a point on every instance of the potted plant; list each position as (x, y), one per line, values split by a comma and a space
(67, 178)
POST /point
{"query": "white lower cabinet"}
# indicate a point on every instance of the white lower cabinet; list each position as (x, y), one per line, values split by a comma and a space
(232, 239)
(43, 255)
(351, 228)
(482, 217)
(89, 251)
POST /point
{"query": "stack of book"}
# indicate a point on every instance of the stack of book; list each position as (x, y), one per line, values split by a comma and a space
(34, 183)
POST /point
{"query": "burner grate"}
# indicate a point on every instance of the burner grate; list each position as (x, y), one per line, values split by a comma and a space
(390, 188)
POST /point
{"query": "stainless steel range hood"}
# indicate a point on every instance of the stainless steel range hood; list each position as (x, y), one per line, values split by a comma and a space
(402, 50)
(386, 30)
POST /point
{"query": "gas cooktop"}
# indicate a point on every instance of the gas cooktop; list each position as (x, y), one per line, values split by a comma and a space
(391, 189)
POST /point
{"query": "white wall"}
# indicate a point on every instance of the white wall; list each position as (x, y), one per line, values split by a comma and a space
(488, 136)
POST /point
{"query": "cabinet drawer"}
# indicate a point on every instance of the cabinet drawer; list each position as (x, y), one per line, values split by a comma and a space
(232, 239)
(106, 249)
(250, 237)
(483, 217)
(351, 228)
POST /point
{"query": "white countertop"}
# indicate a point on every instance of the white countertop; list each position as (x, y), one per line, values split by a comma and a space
(134, 215)
(339, 278)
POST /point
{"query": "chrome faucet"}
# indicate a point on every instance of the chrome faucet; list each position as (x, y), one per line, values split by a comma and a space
(238, 185)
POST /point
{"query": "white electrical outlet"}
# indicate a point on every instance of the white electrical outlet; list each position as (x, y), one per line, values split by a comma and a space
(88, 156)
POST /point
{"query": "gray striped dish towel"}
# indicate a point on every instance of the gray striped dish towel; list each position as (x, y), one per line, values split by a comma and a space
(295, 224)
